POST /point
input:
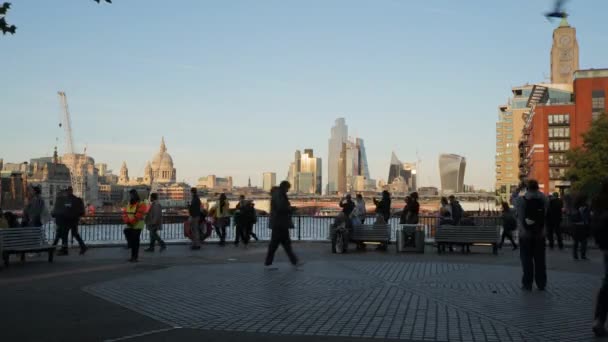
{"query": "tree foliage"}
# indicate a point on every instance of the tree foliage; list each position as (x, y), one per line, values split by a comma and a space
(6, 27)
(589, 163)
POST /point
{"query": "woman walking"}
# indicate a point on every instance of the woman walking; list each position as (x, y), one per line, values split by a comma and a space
(133, 217)
(222, 216)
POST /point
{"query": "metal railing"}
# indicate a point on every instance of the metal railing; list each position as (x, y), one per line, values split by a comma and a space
(108, 229)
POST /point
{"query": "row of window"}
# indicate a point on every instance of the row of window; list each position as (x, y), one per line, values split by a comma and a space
(559, 146)
(559, 132)
(559, 119)
(558, 159)
(558, 173)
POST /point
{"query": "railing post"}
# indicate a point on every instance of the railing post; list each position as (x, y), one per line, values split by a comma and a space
(299, 228)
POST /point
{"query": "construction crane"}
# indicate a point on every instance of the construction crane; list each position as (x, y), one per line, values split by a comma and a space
(67, 122)
(78, 177)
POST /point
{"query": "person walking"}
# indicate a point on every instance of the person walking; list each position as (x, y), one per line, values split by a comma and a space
(194, 213)
(280, 224)
(554, 221)
(240, 222)
(67, 212)
(360, 208)
(599, 225)
(154, 223)
(253, 222)
(247, 220)
(133, 217)
(531, 214)
(581, 219)
(222, 216)
(509, 225)
(383, 206)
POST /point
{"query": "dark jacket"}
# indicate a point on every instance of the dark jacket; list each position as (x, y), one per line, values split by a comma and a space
(245, 214)
(554, 213)
(412, 212)
(280, 211)
(195, 207)
(347, 207)
(383, 207)
(68, 209)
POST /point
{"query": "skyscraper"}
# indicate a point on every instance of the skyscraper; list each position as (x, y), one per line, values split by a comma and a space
(339, 135)
(451, 172)
(305, 173)
(353, 171)
(269, 179)
(407, 171)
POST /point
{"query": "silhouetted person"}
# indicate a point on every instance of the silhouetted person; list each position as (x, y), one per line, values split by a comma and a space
(580, 217)
(348, 206)
(154, 223)
(383, 206)
(554, 221)
(509, 225)
(67, 212)
(222, 218)
(599, 225)
(194, 212)
(35, 209)
(531, 214)
(280, 223)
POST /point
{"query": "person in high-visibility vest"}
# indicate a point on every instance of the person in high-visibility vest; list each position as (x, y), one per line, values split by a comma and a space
(133, 217)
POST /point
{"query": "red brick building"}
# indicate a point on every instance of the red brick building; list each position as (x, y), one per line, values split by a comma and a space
(556, 124)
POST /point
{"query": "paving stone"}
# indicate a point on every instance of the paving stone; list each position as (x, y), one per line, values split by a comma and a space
(426, 301)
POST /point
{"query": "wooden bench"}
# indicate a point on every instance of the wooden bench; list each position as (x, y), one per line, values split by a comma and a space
(376, 233)
(467, 235)
(23, 240)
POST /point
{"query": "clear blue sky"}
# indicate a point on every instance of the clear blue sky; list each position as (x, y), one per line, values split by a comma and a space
(237, 86)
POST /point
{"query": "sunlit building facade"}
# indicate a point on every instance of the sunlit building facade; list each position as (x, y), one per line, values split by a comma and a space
(451, 172)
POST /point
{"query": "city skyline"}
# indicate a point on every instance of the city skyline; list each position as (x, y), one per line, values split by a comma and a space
(220, 82)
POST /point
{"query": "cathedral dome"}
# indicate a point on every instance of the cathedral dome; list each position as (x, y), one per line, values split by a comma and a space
(162, 165)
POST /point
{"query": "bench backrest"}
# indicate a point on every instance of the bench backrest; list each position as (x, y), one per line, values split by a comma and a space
(372, 232)
(481, 234)
(22, 237)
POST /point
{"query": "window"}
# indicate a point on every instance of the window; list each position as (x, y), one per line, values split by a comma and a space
(598, 102)
(509, 136)
(559, 119)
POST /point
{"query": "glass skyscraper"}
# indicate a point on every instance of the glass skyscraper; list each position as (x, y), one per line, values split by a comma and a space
(339, 135)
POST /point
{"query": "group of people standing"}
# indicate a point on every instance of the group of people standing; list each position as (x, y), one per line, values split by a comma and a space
(202, 222)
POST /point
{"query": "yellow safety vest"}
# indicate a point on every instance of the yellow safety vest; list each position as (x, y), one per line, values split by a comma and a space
(133, 214)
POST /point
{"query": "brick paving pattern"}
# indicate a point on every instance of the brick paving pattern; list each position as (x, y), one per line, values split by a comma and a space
(421, 301)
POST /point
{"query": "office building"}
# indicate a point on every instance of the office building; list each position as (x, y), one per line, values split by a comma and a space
(215, 183)
(451, 173)
(555, 127)
(306, 173)
(512, 116)
(404, 173)
(339, 135)
(353, 170)
(269, 179)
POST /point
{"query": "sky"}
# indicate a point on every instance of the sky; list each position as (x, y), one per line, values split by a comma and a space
(235, 87)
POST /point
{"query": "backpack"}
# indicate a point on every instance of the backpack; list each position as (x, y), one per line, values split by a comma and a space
(534, 214)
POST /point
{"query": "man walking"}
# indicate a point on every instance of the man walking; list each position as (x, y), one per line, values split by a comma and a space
(531, 214)
(554, 221)
(194, 211)
(154, 223)
(67, 212)
(280, 223)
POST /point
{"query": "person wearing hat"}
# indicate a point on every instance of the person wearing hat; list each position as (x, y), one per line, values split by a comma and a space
(133, 216)
(67, 212)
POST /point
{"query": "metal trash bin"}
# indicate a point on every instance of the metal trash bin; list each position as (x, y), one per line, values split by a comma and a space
(410, 238)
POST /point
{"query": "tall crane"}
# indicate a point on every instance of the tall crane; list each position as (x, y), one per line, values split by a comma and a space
(67, 122)
(78, 177)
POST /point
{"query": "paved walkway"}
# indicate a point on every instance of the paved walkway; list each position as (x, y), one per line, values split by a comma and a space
(224, 294)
